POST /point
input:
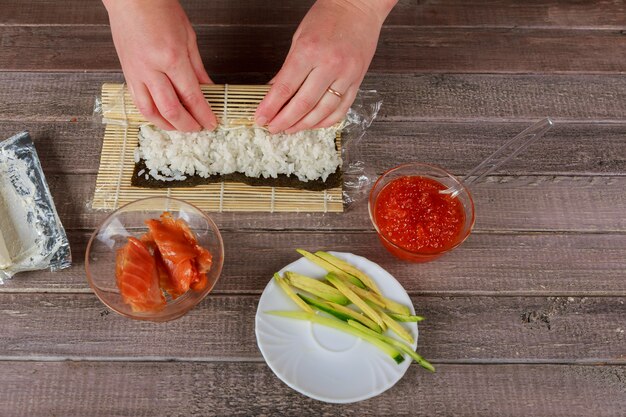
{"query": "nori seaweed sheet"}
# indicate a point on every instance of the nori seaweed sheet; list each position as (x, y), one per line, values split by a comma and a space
(334, 180)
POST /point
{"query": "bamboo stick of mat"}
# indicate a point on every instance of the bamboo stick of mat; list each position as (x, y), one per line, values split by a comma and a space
(237, 103)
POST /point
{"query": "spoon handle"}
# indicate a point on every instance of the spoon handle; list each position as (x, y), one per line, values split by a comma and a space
(509, 150)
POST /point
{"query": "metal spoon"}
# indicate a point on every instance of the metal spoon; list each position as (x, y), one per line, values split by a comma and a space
(502, 155)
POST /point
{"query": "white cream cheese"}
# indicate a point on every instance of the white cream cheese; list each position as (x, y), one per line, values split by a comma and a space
(22, 236)
(5, 258)
(31, 236)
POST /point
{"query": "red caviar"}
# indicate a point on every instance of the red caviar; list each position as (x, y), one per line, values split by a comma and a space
(411, 213)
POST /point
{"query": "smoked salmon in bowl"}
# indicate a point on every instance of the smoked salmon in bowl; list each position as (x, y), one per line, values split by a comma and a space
(154, 259)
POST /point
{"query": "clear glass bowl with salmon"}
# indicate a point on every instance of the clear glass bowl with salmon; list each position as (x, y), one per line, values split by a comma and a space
(154, 259)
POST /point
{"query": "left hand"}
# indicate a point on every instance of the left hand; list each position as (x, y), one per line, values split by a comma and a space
(331, 50)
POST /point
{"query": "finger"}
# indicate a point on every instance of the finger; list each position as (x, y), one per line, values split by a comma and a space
(286, 84)
(340, 113)
(288, 57)
(188, 90)
(144, 103)
(289, 54)
(169, 105)
(324, 108)
(303, 102)
(197, 64)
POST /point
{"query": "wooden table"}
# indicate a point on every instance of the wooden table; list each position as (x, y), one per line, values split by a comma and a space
(528, 317)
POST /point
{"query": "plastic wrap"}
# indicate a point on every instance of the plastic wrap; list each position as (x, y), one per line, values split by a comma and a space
(30, 229)
(112, 110)
(357, 178)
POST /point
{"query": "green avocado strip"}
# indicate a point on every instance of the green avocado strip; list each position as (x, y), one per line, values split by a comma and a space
(343, 288)
(330, 267)
(291, 294)
(349, 269)
(341, 312)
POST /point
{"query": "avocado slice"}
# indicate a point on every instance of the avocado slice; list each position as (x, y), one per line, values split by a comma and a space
(405, 318)
(386, 303)
(380, 300)
(330, 267)
(367, 295)
(349, 269)
(391, 323)
(391, 351)
(341, 312)
(366, 309)
(316, 287)
(291, 294)
(390, 340)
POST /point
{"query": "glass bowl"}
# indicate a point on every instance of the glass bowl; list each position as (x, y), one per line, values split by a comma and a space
(128, 221)
(434, 173)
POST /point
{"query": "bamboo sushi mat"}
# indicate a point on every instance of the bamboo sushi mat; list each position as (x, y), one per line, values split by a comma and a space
(235, 102)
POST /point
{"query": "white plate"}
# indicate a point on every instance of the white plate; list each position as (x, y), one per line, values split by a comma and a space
(321, 362)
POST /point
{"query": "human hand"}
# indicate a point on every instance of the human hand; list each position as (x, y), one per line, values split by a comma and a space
(329, 56)
(157, 48)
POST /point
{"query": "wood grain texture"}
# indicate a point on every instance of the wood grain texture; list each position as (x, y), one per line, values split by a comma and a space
(526, 318)
(228, 49)
(200, 12)
(568, 149)
(503, 203)
(606, 14)
(72, 147)
(588, 149)
(245, 389)
(459, 329)
(63, 97)
(494, 264)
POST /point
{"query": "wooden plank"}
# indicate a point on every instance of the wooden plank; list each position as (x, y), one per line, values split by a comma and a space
(461, 329)
(228, 49)
(606, 14)
(570, 149)
(200, 12)
(245, 389)
(62, 146)
(568, 98)
(503, 203)
(518, 264)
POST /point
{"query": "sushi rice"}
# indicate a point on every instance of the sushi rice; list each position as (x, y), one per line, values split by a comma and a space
(172, 156)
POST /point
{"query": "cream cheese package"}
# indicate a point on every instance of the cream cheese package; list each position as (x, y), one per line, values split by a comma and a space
(31, 234)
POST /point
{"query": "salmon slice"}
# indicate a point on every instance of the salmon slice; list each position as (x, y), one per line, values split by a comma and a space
(170, 240)
(203, 256)
(204, 260)
(137, 277)
(177, 252)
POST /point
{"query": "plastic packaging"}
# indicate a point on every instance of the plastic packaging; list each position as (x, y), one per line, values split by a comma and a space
(357, 178)
(33, 235)
(117, 108)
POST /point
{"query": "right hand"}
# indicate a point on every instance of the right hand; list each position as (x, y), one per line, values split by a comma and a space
(157, 48)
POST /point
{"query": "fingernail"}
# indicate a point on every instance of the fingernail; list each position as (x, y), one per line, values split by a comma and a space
(261, 121)
(272, 129)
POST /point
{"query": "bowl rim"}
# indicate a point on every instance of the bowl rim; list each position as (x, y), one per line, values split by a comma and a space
(429, 166)
(150, 316)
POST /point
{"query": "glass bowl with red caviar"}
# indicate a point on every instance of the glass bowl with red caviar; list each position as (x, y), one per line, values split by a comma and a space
(414, 220)
(154, 259)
